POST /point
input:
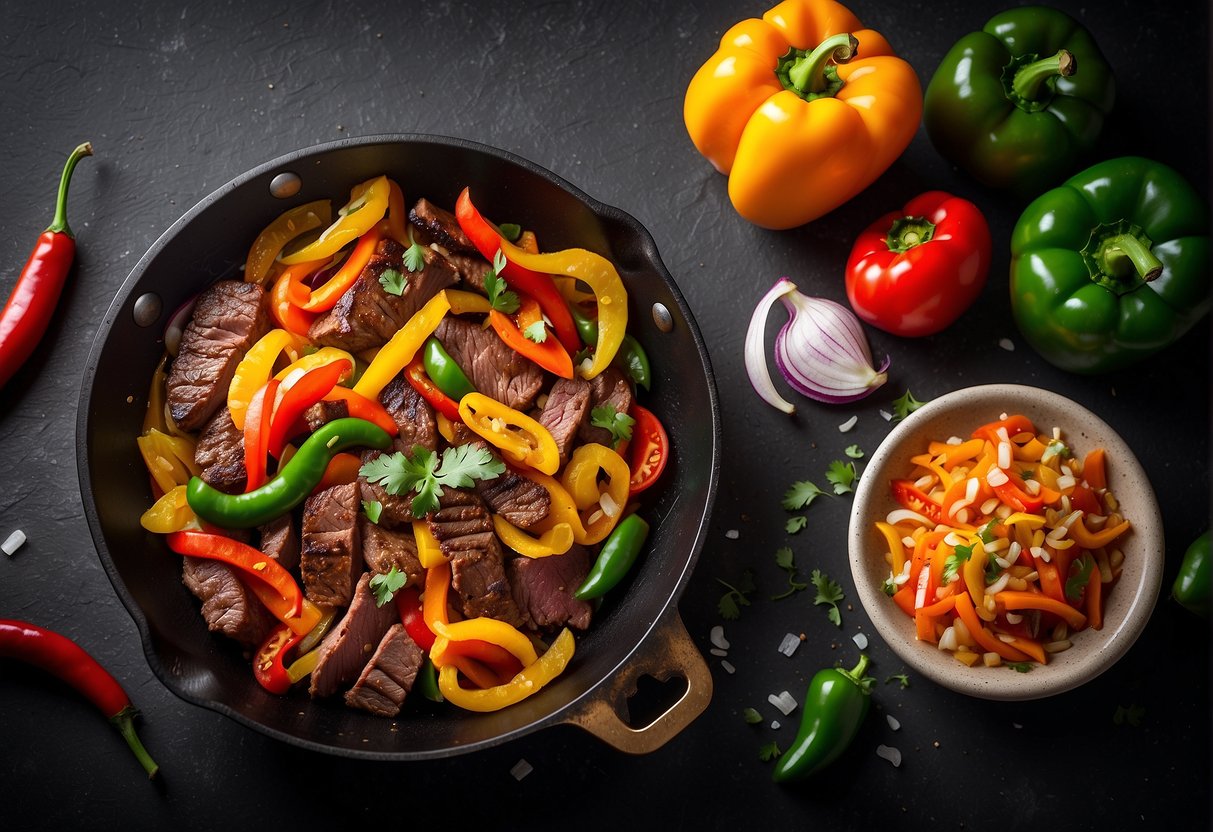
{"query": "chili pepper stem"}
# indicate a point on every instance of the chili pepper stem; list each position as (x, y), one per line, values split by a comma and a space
(59, 223)
(855, 674)
(1031, 77)
(124, 721)
(808, 73)
(908, 232)
(1124, 254)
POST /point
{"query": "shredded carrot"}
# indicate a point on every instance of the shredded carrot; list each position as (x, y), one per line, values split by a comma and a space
(993, 644)
(1019, 600)
(1033, 648)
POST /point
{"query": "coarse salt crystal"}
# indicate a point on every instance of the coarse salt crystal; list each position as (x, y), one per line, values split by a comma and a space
(716, 651)
(886, 415)
(861, 641)
(521, 769)
(13, 542)
(732, 534)
(887, 752)
(718, 639)
(848, 424)
(893, 723)
(783, 701)
(728, 667)
(789, 644)
(1007, 344)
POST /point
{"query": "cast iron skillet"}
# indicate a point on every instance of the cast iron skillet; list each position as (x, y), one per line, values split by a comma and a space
(637, 632)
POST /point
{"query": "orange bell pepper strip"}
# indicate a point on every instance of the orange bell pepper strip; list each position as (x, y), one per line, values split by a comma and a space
(513, 329)
(1015, 425)
(1033, 648)
(361, 407)
(325, 297)
(526, 682)
(1023, 600)
(802, 110)
(1050, 580)
(283, 308)
(396, 224)
(1095, 540)
(1094, 469)
(429, 550)
(341, 470)
(434, 599)
(990, 642)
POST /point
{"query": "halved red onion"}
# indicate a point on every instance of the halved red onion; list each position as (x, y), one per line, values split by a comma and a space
(175, 327)
(756, 351)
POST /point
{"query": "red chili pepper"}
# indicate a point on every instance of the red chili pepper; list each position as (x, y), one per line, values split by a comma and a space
(408, 603)
(33, 300)
(912, 497)
(416, 376)
(650, 449)
(549, 354)
(269, 666)
(59, 655)
(541, 287)
(313, 386)
(913, 272)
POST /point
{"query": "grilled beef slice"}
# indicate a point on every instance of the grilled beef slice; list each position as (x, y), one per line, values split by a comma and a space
(415, 419)
(388, 676)
(280, 541)
(323, 412)
(331, 559)
(465, 532)
(439, 230)
(368, 316)
(228, 606)
(493, 368)
(220, 453)
(348, 647)
(544, 587)
(610, 387)
(384, 548)
(566, 410)
(228, 318)
(517, 499)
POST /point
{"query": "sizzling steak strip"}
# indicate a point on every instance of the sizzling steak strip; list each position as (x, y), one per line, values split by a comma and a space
(388, 676)
(544, 587)
(565, 411)
(280, 540)
(612, 388)
(493, 368)
(228, 606)
(383, 549)
(465, 533)
(331, 560)
(412, 414)
(346, 649)
(517, 499)
(220, 453)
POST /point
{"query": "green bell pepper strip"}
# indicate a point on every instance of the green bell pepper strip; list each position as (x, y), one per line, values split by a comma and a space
(834, 708)
(1111, 267)
(631, 356)
(444, 371)
(427, 681)
(1019, 103)
(615, 559)
(290, 486)
(1192, 585)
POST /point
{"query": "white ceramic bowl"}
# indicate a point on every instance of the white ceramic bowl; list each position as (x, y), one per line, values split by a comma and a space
(1131, 599)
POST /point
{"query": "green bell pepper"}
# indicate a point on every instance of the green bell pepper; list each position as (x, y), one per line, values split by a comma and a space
(1110, 267)
(834, 708)
(444, 371)
(1192, 585)
(615, 559)
(1019, 103)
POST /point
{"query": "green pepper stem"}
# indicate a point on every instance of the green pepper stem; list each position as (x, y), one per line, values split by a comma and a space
(856, 672)
(124, 721)
(1125, 252)
(809, 71)
(1031, 78)
(907, 232)
(59, 223)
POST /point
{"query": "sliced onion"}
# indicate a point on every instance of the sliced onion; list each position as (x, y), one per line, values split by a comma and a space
(756, 351)
(823, 353)
(175, 327)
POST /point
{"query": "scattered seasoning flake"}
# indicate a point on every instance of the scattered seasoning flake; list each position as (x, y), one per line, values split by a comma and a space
(732, 534)
(13, 542)
(789, 644)
(751, 716)
(728, 667)
(521, 769)
(1007, 344)
(718, 639)
(784, 702)
(848, 424)
(893, 723)
(861, 641)
(887, 752)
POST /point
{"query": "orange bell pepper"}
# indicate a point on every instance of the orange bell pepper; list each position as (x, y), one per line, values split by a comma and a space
(802, 110)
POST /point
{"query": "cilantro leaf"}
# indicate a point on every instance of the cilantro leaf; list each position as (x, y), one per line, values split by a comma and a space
(786, 561)
(842, 475)
(784, 558)
(854, 452)
(397, 473)
(500, 299)
(905, 405)
(800, 495)
(987, 532)
(769, 752)
(952, 565)
(373, 509)
(901, 678)
(751, 716)
(993, 570)
(829, 593)
(888, 587)
(1077, 582)
(386, 586)
(462, 465)
(1020, 667)
(392, 282)
(422, 473)
(510, 230)
(795, 524)
(619, 424)
(537, 332)
(730, 604)
(414, 255)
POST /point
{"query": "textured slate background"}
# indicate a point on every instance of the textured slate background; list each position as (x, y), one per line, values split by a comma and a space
(180, 97)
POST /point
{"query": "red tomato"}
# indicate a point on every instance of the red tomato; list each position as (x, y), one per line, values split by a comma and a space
(913, 272)
(649, 449)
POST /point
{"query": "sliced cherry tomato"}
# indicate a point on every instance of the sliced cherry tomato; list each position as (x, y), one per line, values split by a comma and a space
(649, 449)
(913, 498)
(269, 666)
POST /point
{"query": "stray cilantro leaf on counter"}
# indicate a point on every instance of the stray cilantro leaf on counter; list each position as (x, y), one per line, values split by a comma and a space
(392, 282)
(800, 495)
(372, 509)
(386, 586)
(414, 255)
(730, 604)
(900, 678)
(1020, 667)
(828, 592)
(952, 565)
(751, 716)
(795, 524)
(905, 405)
(495, 287)
(1131, 715)
(842, 475)
(619, 424)
(510, 230)
(769, 752)
(537, 332)
(854, 452)
(422, 473)
(786, 561)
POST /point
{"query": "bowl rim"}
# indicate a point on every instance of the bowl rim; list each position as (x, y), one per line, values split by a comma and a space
(1116, 638)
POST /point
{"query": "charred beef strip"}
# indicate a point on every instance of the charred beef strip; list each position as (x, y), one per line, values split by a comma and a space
(610, 387)
(346, 649)
(438, 229)
(228, 318)
(368, 316)
(465, 532)
(388, 676)
(323, 412)
(415, 418)
(384, 548)
(220, 453)
(565, 412)
(331, 560)
(280, 541)
(228, 606)
(514, 497)
(544, 587)
(493, 368)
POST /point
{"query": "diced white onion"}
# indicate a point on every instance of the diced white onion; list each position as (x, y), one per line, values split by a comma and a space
(954, 440)
(996, 477)
(1004, 454)
(1007, 344)
(861, 641)
(1033, 487)
(728, 667)
(1065, 483)
(13, 542)
(609, 507)
(848, 424)
(999, 585)
(789, 644)
(887, 752)
(989, 505)
(732, 534)
(893, 723)
(716, 651)
(521, 769)
(718, 639)
(1014, 618)
(901, 515)
(783, 701)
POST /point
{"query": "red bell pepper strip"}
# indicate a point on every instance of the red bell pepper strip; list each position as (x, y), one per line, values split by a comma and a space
(269, 667)
(650, 449)
(1015, 425)
(408, 604)
(1014, 492)
(32, 303)
(503, 664)
(541, 287)
(913, 498)
(360, 407)
(309, 389)
(416, 376)
(549, 354)
(325, 297)
(64, 658)
(256, 434)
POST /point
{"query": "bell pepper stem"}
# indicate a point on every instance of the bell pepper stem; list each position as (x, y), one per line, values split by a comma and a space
(907, 232)
(1031, 77)
(1124, 254)
(124, 721)
(808, 73)
(59, 223)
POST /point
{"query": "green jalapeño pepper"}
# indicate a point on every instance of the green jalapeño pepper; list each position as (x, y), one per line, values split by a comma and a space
(1110, 267)
(290, 486)
(631, 356)
(615, 558)
(443, 370)
(1192, 585)
(834, 708)
(1019, 103)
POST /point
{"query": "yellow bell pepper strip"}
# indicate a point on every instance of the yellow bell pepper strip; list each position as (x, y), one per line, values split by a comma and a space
(153, 417)
(399, 351)
(555, 541)
(367, 206)
(171, 513)
(529, 680)
(286, 227)
(486, 629)
(169, 459)
(396, 224)
(429, 552)
(306, 363)
(517, 435)
(465, 303)
(325, 296)
(283, 309)
(255, 369)
(802, 110)
(581, 481)
(896, 548)
(562, 508)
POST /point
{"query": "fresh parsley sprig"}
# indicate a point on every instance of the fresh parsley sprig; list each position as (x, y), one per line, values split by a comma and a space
(842, 476)
(500, 299)
(800, 495)
(952, 565)
(768, 752)
(537, 332)
(730, 604)
(829, 593)
(786, 561)
(619, 424)
(904, 406)
(796, 524)
(414, 255)
(1077, 582)
(373, 509)
(423, 473)
(386, 586)
(392, 281)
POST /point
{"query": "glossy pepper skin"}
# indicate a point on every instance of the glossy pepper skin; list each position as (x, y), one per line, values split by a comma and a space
(1019, 103)
(1192, 585)
(1112, 266)
(914, 272)
(802, 110)
(615, 559)
(834, 708)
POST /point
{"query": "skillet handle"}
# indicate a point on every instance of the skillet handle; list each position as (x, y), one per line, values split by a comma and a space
(668, 653)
